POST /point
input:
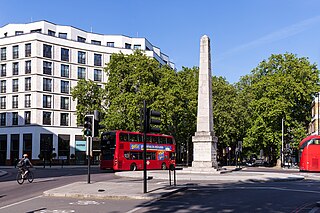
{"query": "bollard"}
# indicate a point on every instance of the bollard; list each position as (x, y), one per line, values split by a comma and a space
(172, 168)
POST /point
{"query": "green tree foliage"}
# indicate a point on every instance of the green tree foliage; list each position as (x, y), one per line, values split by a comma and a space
(89, 97)
(132, 79)
(229, 114)
(281, 87)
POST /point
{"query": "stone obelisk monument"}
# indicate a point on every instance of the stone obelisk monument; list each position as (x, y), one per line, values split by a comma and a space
(205, 141)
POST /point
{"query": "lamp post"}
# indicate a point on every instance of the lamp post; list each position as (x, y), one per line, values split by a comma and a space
(282, 141)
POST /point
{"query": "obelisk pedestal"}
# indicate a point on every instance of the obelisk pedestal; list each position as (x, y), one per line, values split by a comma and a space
(205, 141)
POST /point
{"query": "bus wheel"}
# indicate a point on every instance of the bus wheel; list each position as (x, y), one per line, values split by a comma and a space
(163, 166)
(133, 167)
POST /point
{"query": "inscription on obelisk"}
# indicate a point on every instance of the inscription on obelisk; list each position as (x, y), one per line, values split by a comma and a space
(204, 141)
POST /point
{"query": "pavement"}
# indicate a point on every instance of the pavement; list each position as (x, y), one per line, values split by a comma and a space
(162, 183)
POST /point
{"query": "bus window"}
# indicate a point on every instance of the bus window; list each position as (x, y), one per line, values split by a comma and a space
(127, 155)
(136, 155)
(135, 138)
(108, 140)
(154, 139)
(169, 141)
(151, 155)
(316, 141)
(148, 138)
(163, 140)
(123, 137)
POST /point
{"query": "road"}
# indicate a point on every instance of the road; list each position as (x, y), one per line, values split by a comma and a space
(292, 196)
(45, 178)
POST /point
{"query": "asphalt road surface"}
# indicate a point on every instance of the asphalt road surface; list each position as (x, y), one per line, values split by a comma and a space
(45, 179)
(292, 196)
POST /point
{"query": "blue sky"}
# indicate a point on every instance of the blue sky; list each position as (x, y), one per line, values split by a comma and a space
(242, 32)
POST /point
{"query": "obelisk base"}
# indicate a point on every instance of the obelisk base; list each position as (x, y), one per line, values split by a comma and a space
(204, 150)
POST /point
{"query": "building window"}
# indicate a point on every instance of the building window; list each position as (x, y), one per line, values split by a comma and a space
(81, 39)
(36, 31)
(65, 87)
(47, 68)
(15, 52)
(51, 33)
(3, 53)
(81, 57)
(46, 118)
(15, 118)
(47, 51)
(15, 68)
(64, 70)
(110, 44)
(137, 47)
(3, 86)
(28, 67)
(3, 70)
(3, 119)
(63, 35)
(64, 145)
(27, 143)
(97, 75)
(27, 84)
(27, 117)
(3, 102)
(81, 73)
(64, 54)
(15, 101)
(64, 119)
(64, 103)
(127, 46)
(46, 101)
(27, 101)
(15, 85)
(95, 42)
(97, 59)
(47, 84)
(28, 50)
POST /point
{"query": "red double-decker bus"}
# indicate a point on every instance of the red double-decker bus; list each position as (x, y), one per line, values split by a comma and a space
(309, 154)
(123, 150)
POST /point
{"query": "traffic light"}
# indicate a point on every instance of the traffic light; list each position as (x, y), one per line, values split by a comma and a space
(153, 119)
(96, 123)
(88, 127)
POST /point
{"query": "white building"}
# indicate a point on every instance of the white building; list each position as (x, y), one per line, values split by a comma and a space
(39, 63)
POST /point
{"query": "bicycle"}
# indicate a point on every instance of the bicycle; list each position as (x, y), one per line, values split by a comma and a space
(29, 176)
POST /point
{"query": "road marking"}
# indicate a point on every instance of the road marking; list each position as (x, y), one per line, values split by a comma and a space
(314, 210)
(55, 211)
(17, 203)
(86, 202)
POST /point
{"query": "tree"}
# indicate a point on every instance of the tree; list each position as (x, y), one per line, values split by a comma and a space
(89, 97)
(281, 87)
(132, 79)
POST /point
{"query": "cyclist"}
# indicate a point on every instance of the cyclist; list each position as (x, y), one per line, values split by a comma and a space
(26, 164)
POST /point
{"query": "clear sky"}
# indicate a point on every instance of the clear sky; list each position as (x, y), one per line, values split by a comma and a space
(242, 32)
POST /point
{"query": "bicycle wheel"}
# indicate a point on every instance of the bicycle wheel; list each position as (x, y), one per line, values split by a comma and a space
(30, 176)
(19, 178)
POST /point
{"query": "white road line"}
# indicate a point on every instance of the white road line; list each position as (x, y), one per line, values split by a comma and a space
(13, 204)
(314, 210)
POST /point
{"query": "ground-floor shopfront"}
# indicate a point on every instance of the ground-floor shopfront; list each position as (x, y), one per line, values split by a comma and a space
(46, 145)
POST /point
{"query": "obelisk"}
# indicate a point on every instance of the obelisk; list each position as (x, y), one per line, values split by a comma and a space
(205, 141)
